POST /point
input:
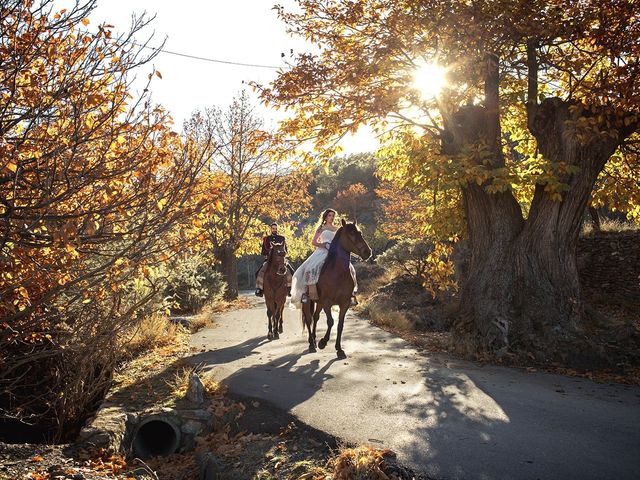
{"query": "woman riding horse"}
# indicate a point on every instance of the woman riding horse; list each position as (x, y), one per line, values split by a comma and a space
(305, 278)
(335, 284)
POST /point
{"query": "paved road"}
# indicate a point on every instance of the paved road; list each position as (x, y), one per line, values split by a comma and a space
(448, 418)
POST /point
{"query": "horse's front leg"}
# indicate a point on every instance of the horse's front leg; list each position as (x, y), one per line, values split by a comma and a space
(343, 313)
(274, 320)
(327, 335)
(269, 315)
(281, 316)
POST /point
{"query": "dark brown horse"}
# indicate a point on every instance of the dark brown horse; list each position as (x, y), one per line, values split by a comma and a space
(275, 288)
(335, 284)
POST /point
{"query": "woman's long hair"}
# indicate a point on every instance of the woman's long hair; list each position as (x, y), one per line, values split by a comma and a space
(324, 216)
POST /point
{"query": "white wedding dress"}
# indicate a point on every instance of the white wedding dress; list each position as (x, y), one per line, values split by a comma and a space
(309, 272)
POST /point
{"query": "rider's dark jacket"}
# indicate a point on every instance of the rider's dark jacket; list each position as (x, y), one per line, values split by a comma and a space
(268, 240)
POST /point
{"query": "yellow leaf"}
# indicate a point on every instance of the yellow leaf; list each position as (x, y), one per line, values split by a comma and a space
(120, 139)
(161, 203)
(12, 166)
(85, 21)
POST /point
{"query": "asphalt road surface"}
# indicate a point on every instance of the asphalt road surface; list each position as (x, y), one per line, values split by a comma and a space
(445, 417)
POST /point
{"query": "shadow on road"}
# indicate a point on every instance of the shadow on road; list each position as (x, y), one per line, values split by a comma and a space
(228, 354)
(485, 423)
(449, 418)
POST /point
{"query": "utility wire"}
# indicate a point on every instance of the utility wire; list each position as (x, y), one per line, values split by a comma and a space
(194, 57)
(212, 60)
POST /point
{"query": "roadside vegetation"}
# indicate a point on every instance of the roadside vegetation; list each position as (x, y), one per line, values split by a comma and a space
(503, 220)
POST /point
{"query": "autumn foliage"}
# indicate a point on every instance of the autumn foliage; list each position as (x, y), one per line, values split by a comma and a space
(251, 173)
(95, 188)
(539, 117)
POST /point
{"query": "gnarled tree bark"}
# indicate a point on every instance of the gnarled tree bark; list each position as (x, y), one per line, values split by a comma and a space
(522, 293)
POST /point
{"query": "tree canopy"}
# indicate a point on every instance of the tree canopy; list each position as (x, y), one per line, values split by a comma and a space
(538, 116)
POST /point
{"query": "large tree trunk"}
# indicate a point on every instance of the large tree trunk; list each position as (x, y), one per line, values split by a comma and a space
(229, 269)
(522, 293)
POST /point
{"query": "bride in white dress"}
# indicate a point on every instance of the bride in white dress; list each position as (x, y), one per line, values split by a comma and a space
(307, 274)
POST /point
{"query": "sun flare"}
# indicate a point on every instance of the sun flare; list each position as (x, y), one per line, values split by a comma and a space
(429, 79)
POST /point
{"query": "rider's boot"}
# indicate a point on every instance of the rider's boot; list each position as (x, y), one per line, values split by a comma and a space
(259, 292)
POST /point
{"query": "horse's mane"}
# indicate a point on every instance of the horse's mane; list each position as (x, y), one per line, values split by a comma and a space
(333, 251)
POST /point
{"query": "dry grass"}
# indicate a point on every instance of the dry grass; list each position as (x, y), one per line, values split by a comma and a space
(373, 285)
(179, 383)
(386, 318)
(608, 225)
(152, 332)
(360, 463)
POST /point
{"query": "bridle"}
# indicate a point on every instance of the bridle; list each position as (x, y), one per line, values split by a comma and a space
(278, 251)
(353, 247)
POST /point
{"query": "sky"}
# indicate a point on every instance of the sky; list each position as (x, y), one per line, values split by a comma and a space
(246, 31)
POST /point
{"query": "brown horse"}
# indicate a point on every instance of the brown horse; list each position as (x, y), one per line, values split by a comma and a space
(275, 288)
(335, 284)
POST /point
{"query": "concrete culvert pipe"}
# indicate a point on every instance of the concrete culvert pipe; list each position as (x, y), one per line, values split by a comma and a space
(156, 436)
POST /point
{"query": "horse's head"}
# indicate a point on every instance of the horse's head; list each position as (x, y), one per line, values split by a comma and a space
(278, 254)
(351, 240)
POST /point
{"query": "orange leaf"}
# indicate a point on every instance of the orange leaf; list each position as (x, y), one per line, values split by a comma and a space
(37, 458)
(85, 21)
(158, 74)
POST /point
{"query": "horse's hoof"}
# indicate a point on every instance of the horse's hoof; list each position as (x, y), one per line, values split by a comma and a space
(341, 355)
(312, 349)
(280, 330)
(269, 336)
(276, 336)
(322, 344)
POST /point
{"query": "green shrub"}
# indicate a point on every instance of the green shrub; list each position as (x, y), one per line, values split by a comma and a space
(191, 283)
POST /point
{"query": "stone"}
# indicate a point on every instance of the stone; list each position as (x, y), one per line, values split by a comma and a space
(195, 390)
(191, 427)
(196, 414)
(107, 429)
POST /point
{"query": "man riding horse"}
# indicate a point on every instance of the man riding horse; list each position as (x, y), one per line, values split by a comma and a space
(267, 244)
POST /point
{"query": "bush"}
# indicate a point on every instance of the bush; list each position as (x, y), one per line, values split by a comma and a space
(408, 256)
(192, 283)
(429, 264)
